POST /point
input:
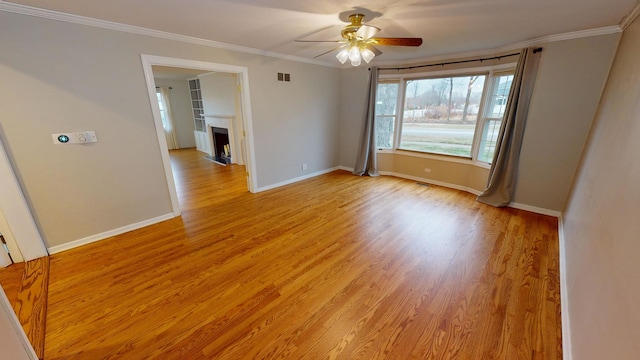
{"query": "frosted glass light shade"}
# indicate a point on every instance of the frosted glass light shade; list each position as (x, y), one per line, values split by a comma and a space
(343, 55)
(354, 54)
(367, 55)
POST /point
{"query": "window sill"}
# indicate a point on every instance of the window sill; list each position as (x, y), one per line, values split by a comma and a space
(447, 158)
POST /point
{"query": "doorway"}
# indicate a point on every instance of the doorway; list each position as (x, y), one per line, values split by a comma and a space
(148, 61)
(17, 224)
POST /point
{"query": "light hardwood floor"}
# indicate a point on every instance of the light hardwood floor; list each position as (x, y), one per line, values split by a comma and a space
(334, 267)
(26, 285)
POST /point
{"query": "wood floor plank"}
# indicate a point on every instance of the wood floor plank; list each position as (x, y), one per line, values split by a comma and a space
(26, 286)
(11, 280)
(336, 266)
(32, 302)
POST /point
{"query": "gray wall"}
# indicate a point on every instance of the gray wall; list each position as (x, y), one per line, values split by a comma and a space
(300, 122)
(570, 80)
(219, 93)
(601, 228)
(181, 110)
(58, 76)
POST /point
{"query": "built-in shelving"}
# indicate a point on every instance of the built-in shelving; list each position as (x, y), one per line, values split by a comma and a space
(200, 133)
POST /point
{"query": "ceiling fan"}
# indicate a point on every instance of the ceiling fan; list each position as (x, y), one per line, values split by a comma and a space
(358, 42)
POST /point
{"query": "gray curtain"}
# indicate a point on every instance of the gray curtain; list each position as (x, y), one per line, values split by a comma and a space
(367, 162)
(504, 168)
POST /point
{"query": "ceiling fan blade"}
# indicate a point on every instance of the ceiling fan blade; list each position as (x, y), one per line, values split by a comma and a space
(326, 52)
(374, 49)
(366, 31)
(396, 41)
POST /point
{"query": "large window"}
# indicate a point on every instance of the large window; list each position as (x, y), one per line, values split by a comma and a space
(443, 115)
(440, 114)
(386, 113)
(163, 111)
(493, 114)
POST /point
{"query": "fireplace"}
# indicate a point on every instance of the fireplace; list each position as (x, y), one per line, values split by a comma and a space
(221, 150)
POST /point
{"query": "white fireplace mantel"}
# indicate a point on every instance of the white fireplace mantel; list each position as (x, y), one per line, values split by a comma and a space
(225, 122)
(221, 121)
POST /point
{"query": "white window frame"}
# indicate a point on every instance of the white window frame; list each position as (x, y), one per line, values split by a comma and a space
(485, 111)
(490, 72)
(398, 110)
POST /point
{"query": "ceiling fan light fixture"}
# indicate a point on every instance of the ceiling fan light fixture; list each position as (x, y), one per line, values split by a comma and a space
(367, 55)
(343, 55)
(358, 42)
(354, 54)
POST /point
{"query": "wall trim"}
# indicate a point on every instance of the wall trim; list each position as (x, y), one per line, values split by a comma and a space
(83, 20)
(567, 352)
(628, 20)
(519, 206)
(615, 29)
(535, 209)
(295, 180)
(107, 234)
(512, 47)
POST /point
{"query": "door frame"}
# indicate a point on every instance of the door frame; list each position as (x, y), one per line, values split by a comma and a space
(19, 227)
(243, 74)
(12, 245)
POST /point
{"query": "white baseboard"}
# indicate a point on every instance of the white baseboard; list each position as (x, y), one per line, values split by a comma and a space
(430, 181)
(108, 234)
(295, 180)
(567, 353)
(525, 207)
(535, 209)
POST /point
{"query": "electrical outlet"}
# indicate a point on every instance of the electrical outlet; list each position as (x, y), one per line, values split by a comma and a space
(304, 167)
(427, 170)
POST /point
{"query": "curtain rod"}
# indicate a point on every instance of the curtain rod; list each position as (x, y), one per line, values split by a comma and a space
(456, 62)
(170, 88)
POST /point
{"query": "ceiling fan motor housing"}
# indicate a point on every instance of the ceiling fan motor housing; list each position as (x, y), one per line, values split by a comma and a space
(349, 31)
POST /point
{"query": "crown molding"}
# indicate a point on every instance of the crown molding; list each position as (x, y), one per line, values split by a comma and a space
(628, 20)
(512, 47)
(83, 20)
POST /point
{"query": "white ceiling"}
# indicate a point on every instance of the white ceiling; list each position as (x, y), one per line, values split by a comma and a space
(447, 26)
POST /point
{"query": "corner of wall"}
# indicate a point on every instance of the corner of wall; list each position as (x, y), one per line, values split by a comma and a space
(567, 353)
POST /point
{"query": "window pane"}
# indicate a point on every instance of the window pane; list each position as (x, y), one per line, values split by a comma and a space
(495, 112)
(160, 102)
(440, 114)
(163, 113)
(489, 138)
(384, 131)
(386, 107)
(387, 99)
(499, 96)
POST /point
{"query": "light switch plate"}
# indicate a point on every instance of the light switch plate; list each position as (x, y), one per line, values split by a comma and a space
(80, 137)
